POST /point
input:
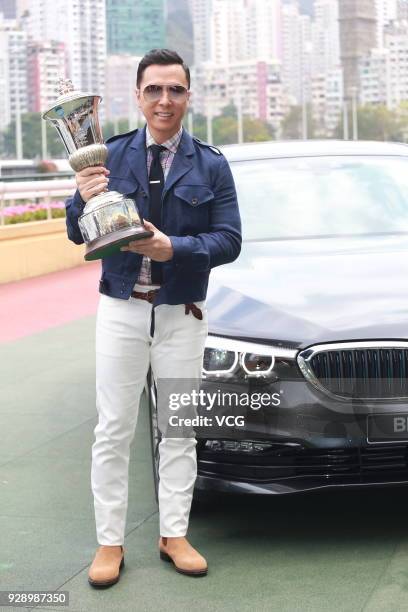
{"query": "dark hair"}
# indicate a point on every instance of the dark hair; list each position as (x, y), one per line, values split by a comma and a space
(162, 57)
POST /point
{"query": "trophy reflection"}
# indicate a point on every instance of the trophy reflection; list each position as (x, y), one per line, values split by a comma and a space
(109, 220)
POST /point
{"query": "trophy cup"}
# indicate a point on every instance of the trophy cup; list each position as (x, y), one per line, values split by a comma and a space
(109, 220)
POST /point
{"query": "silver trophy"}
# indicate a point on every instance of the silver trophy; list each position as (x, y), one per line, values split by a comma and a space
(109, 220)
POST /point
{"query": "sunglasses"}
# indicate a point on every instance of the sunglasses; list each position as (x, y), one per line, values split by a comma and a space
(153, 93)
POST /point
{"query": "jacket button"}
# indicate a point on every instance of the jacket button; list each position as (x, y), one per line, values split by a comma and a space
(194, 200)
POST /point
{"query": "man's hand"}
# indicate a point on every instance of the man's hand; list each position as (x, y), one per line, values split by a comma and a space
(158, 247)
(92, 181)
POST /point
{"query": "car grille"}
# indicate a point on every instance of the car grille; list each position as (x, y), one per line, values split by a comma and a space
(336, 465)
(366, 373)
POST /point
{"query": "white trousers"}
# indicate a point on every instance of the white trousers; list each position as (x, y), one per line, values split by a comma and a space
(124, 350)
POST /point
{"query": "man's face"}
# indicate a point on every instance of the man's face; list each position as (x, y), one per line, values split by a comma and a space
(164, 115)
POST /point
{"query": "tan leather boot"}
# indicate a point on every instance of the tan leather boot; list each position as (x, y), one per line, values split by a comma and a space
(106, 566)
(184, 557)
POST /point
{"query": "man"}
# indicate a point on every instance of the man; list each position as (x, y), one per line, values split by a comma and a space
(152, 308)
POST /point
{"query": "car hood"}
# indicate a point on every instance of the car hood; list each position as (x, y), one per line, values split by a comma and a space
(300, 292)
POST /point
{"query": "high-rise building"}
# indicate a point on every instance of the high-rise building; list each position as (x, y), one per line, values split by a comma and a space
(358, 35)
(135, 26)
(384, 72)
(387, 11)
(375, 78)
(13, 71)
(402, 9)
(228, 31)
(327, 100)
(81, 26)
(201, 14)
(8, 9)
(325, 37)
(47, 62)
(120, 97)
(252, 84)
(326, 74)
(223, 19)
(21, 7)
(296, 53)
(216, 24)
(236, 30)
(5, 116)
(264, 29)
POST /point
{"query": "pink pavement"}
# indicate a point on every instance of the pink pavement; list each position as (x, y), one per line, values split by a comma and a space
(35, 304)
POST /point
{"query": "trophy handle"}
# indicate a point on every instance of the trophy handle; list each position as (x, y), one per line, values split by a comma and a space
(91, 155)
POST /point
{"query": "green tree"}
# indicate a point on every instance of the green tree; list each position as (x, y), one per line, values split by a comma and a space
(111, 128)
(31, 135)
(230, 110)
(225, 128)
(31, 132)
(292, 123)
(402, 113)
(199, 126)
(256, 130)
(375, 123)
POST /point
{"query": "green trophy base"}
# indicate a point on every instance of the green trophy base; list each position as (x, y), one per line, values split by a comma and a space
(111, 243)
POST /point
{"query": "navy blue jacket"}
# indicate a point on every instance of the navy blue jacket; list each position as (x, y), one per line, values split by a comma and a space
(200, 215)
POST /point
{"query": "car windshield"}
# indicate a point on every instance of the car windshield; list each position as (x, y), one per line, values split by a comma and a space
(322, 196)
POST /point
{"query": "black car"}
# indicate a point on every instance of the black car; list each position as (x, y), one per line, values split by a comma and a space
(314, 316)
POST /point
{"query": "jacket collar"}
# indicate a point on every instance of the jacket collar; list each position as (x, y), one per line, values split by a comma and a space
(136, 158)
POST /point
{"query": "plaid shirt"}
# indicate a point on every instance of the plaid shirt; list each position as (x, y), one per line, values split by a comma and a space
(166, 158)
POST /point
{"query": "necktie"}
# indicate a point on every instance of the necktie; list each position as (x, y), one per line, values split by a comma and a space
(156, 184)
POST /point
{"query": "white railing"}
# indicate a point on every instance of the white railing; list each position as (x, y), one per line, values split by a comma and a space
(36, 191)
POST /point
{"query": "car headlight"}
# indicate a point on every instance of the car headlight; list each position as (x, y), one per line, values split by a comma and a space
(229, 358)
(257, 365)
(218, 361)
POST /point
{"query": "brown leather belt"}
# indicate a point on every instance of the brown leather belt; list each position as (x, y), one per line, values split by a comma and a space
(151, 294)
(145, 295)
